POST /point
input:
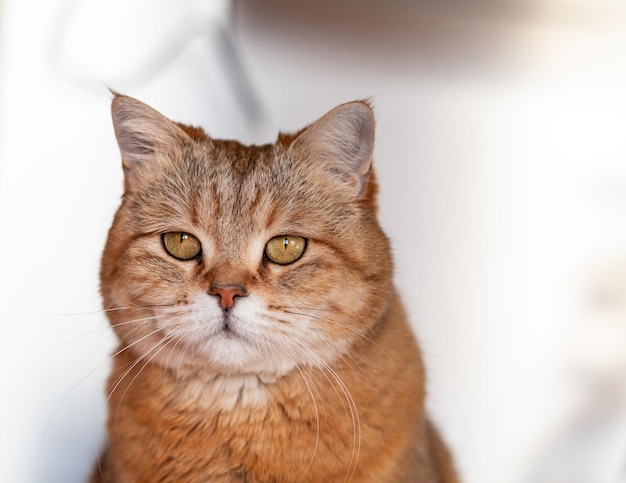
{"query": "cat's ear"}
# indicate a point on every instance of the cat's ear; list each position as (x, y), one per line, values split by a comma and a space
(342, 143)
(145, 137)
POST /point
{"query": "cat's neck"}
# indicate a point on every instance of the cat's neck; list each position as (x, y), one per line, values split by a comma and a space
(200, 388)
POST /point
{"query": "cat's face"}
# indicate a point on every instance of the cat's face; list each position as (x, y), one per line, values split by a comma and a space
(244, 259)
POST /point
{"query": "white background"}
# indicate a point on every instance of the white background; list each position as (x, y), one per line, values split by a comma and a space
(501, 155)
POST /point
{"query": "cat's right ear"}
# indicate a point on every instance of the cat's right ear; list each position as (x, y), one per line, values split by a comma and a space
(145, 137)
(341, 144)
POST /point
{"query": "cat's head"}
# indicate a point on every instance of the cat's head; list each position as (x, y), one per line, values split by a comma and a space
(245, 259)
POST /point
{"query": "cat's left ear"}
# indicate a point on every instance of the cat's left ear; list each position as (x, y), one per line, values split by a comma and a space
(147, 139)
(342, 143)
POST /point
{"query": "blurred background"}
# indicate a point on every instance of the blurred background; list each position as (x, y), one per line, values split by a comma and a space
(502, 160)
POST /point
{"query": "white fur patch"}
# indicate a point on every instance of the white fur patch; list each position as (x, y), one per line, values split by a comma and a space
(227, 392)
(250, 346)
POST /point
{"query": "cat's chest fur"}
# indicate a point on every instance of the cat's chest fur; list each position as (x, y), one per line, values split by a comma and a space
(305, 426)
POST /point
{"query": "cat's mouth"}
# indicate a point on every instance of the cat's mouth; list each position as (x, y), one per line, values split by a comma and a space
(229, 328)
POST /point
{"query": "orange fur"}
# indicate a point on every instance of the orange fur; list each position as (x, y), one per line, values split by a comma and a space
(314, 374)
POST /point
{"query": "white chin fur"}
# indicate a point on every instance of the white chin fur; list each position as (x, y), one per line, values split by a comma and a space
(248, 348)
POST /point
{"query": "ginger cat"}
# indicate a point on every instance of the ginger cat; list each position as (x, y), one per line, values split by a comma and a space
(261, 337)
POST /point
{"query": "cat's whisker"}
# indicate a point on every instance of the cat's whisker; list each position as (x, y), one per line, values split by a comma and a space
(119, 380)
(130, 307)
(137, 341)
(134, 321)
(332, 321)
(356, 423)
(167, 363)
(181, 358)
(329, 321)
(82, 336)
(351, 354)
(163, 343)
(356, 365)
(106, 328)
(104, 311)
(330, 344)
(84, 378)
(296, 307)
(317, 423)
(132, 365)
(311, 316)
(99, 466)
(317, 414)
(265, 347)
(67, 395)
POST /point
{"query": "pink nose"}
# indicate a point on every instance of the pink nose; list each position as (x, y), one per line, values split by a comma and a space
(227, 294)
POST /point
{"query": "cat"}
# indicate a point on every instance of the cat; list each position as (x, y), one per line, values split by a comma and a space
(261, 338)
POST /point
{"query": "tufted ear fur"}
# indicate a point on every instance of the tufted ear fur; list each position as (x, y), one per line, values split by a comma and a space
(342, 143)
(145, 138)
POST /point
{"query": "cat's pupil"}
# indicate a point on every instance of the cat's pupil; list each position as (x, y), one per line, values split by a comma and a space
(286, 243)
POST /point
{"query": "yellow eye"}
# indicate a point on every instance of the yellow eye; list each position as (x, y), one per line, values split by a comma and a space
(285, 249)
(181, 245)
